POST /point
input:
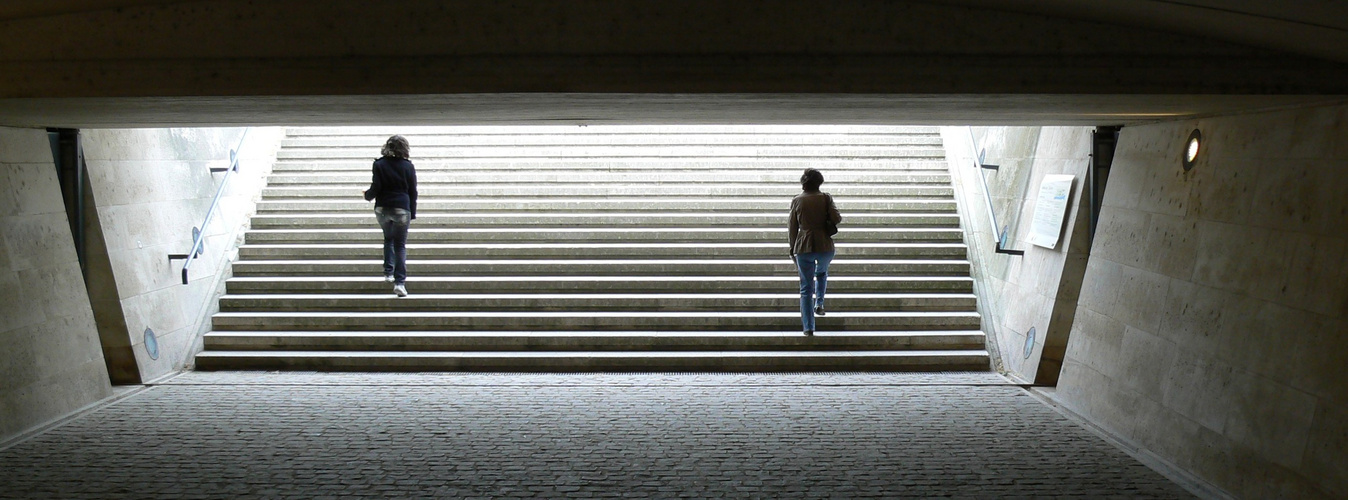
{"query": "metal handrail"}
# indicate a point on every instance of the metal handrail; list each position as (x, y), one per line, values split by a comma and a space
(199, 234)
(1000, 234)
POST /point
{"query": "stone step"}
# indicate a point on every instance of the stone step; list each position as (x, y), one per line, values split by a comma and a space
(564, 248)
(785, 191)
(601, 235)
(614, 204)
(373, 141)
(585, 130)
(477, 341)
(591, 250)
(594, 267)
(679, 302)
(584, 361)
(589, 320)
(613, 152)
(826, 165)
(601, 219)
(373, 284)
(564, 177)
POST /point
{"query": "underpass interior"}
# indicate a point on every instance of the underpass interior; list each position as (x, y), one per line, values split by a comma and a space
(1079, 297)
(1185, 333)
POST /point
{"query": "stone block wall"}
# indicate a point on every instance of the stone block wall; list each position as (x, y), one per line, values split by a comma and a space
(1212, 327)
(151, 188)
(1037, 290)
(51, 363)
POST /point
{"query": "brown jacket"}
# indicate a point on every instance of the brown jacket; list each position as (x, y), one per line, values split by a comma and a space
(806, 226)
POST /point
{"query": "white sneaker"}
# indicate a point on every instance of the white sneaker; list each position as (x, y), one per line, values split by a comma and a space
(388, 278)
(400, 290)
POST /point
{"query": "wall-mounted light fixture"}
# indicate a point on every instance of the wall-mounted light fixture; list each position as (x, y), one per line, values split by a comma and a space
(151, 344)
(1191, 149)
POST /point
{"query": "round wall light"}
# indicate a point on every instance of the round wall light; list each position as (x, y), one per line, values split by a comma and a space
(151, 344)
(1191, 149)
(1029, 343)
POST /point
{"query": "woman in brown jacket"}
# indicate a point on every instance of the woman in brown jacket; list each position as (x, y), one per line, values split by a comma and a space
(812, 243)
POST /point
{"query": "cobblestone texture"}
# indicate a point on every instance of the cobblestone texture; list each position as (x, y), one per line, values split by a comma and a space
(574, 436)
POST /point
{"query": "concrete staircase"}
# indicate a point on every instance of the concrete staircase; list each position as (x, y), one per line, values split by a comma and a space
(602, 248)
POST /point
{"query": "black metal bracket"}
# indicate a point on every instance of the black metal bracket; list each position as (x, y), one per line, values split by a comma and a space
(197, 246)
(233, 163)
(1002, 249)
(179, 256)
(983, 155)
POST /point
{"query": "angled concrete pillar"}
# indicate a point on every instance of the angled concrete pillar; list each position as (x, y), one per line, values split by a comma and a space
(51, 363)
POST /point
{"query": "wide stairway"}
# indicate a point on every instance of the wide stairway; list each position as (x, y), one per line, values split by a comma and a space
(602, 248)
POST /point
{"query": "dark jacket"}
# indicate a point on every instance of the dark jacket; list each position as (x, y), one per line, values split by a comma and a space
(805, 229)
(394, 184)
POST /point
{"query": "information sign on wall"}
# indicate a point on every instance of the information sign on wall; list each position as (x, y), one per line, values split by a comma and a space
(1050, 210)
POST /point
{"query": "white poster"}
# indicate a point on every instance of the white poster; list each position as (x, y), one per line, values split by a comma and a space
(1050, 210)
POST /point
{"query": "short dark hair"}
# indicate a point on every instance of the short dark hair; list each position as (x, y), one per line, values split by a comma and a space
(811, 179)
(397, 147)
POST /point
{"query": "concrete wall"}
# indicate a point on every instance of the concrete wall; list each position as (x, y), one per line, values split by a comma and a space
(151, 187)
(50, 360)
(1212, 328)
(1039, 289)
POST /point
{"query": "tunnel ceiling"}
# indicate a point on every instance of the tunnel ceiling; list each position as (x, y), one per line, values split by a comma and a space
(583, 109)
(149, 63)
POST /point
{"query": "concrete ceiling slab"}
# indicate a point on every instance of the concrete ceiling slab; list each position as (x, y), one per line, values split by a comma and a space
(132, 63)
(1315, 28)
(519, 109)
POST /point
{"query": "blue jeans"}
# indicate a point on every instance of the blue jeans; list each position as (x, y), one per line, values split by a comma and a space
(394, 222)
(813, 267)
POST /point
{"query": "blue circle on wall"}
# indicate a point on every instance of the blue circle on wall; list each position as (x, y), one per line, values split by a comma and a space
(1029, 343)
(151, 344)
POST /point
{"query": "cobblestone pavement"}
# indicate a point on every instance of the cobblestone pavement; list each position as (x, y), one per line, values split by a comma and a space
(275, 435)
